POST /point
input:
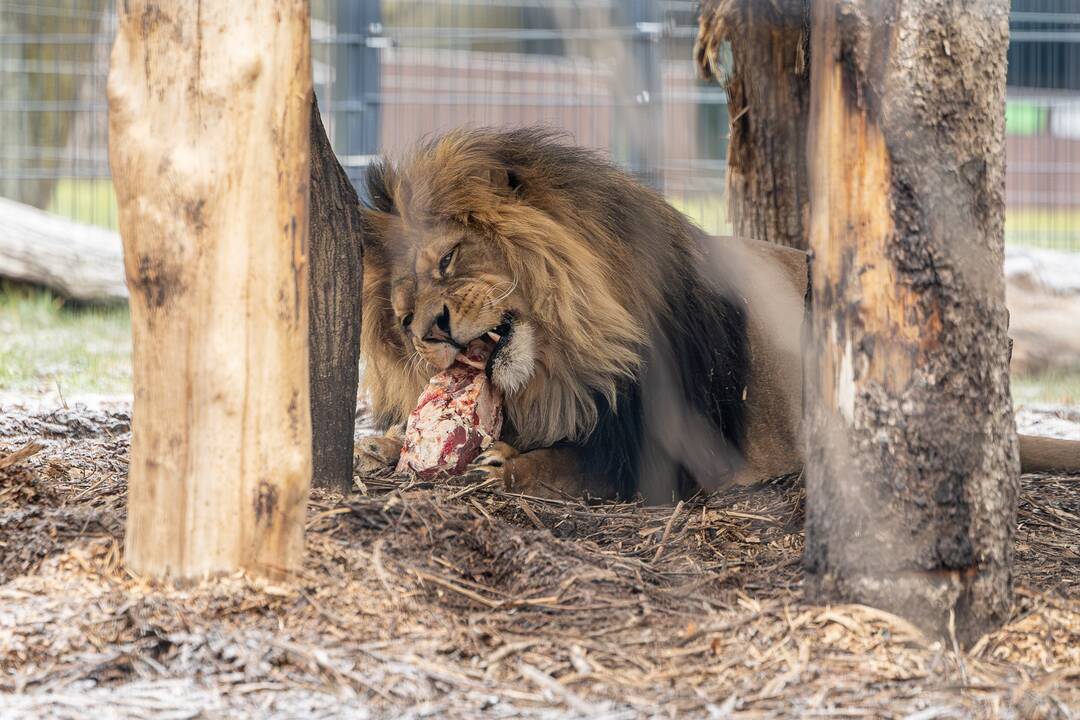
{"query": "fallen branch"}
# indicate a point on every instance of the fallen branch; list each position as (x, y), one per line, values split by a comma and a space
(17, 456)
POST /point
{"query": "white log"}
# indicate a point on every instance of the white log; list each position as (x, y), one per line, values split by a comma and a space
(75, 260)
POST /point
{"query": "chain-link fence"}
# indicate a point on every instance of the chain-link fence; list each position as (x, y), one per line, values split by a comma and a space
(1043, 124)
(53, 143)
(614, 74)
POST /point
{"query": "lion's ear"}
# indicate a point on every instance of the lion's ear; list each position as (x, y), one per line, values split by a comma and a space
(503, 179)
(372, 232)
(380, 181)
(380, 233)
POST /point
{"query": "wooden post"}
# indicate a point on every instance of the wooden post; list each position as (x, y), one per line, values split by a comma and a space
(768, 92)
(912, 470)
(208, 118)
(336, 280)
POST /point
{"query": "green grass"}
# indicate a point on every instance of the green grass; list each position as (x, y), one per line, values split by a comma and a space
(709, 212)
(88, 201)
(1024, 118)
(1047, 228)
(1060, 387)
(48, 345)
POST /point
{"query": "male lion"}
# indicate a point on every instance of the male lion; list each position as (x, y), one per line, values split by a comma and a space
(635, 353)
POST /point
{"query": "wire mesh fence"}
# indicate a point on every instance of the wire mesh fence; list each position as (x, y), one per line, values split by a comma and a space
(53, 140)
(613, 74)
(1043, 124)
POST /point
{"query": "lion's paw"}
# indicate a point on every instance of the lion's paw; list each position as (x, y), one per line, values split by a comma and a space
(498, 455)
(376, 454)
(492, 464)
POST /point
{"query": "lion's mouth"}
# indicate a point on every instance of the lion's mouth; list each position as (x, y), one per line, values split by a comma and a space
(506, 353)
(481, 352)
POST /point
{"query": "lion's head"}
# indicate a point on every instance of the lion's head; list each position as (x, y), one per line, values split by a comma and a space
(488, 234)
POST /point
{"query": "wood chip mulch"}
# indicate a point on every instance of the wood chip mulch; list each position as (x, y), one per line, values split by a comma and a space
(461, 601)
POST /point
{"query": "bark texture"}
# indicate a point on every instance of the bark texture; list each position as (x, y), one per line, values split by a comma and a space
(768, 105)
(209, 123)
(336, 260)
(912, 468)
(77, 261)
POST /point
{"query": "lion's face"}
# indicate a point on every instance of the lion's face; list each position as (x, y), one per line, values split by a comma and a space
(450, 286)
(471, 239)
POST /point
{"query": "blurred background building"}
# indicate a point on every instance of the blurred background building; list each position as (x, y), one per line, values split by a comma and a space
(614, 74)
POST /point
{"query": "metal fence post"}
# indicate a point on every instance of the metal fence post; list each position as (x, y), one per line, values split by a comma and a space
(355, 97)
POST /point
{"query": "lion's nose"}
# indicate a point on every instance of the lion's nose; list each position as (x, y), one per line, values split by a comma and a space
(440, 328)
(442, 322)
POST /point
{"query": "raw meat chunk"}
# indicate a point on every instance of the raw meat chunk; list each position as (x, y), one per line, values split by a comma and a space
(458, 416)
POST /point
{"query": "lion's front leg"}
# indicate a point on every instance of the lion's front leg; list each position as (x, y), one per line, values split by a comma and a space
(378, 453)
(555, 472)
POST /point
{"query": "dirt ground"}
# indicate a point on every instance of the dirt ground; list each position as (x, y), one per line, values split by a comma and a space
(459, 601)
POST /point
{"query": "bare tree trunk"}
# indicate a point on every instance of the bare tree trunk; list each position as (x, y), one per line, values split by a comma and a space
(209, 122)
(336, 278)
(768, 105)
(912, 462)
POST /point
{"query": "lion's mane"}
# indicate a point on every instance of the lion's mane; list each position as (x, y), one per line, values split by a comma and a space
(614, 280)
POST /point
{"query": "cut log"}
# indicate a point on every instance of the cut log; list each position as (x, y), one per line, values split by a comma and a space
(76, 261)
(1048, 455)
(912, 467)
(336, 260)
(209, 131)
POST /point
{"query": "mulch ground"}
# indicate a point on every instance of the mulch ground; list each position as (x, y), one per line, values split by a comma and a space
(451, 600)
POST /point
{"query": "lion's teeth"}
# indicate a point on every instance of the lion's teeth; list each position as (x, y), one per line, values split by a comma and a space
(494, 336)
(464, 360)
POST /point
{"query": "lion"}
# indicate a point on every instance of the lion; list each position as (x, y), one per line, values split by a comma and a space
(635, 353)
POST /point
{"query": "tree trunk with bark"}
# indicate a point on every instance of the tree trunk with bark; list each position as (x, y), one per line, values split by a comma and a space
(336, 260)
(209, 126)
(912, 469)
(768, 91)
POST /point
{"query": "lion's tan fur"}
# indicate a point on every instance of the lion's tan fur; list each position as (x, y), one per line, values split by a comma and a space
(584, 292)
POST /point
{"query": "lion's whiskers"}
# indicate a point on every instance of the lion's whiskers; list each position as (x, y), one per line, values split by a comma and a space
(494, 288)
(413, 361)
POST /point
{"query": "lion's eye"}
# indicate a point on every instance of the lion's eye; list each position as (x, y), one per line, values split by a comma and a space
(406, 321)
(444, 263)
